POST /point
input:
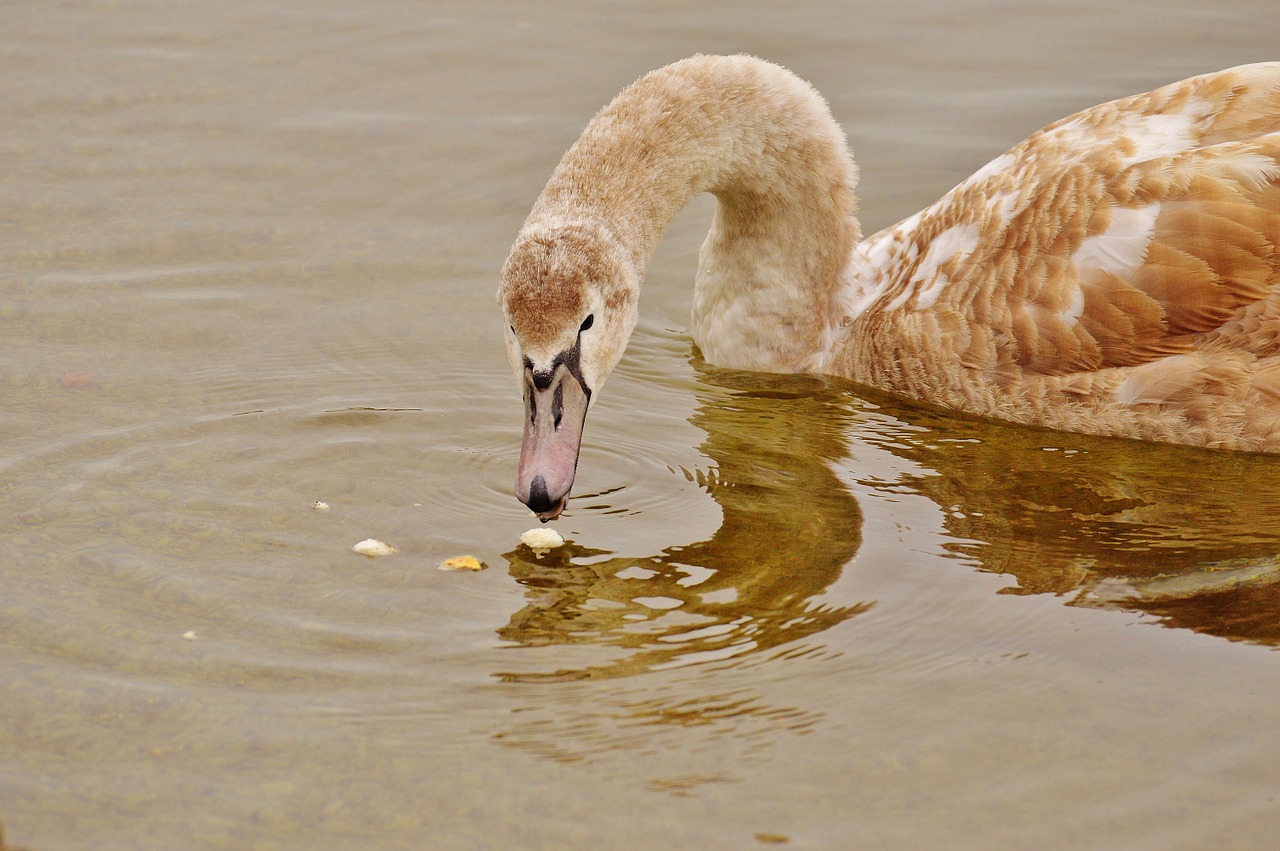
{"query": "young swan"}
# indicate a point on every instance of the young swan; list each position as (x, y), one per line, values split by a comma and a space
(1116, 273)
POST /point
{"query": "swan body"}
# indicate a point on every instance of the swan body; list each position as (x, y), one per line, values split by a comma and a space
(1116, 273)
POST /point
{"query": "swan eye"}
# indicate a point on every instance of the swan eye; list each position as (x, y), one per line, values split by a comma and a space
(586, 323)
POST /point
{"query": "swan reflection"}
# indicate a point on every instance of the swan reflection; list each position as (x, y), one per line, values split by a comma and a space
(789, 528)
(1185, 535)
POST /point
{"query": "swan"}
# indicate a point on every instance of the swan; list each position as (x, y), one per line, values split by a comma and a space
(1116, 273)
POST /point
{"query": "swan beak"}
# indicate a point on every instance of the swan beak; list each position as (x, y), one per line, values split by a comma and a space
(556, 411)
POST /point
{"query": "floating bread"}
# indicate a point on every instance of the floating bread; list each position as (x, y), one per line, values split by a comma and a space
(543, 539)
(462, 563)
(373, 548)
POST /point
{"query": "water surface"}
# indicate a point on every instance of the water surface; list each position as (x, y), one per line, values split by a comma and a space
(249, 258)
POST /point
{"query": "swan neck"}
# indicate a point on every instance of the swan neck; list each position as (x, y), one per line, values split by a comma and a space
(762, 141)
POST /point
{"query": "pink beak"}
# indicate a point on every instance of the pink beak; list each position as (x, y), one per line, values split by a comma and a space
(555, 412)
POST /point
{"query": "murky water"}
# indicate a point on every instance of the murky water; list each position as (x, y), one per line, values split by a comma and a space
(247, 261)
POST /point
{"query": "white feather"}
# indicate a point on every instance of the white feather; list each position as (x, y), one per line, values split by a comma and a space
(953, 243)
(1120, 248)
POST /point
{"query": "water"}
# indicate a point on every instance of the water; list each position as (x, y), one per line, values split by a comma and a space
(249, 258)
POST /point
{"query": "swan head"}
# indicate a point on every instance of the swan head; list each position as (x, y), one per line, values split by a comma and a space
(569, 296)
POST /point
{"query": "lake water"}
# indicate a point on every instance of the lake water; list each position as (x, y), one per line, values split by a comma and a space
(248, 255)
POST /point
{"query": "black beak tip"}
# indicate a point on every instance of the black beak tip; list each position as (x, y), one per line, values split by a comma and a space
(541, 503)
(539, 500)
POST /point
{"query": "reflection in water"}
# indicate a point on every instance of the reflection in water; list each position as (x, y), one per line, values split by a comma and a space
(1180, 533)
(788, 529)
(1188, 535)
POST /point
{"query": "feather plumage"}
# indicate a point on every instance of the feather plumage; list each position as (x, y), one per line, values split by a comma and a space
(1129, 236)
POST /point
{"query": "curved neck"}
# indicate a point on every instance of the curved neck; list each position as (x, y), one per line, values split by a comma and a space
(764, 143)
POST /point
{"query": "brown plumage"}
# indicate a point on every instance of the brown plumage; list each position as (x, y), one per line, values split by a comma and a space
(1116, 273)
(1125, 282)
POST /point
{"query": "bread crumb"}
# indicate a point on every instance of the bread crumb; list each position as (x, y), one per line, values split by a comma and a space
(541, 539)
(372, 547)
(320, 506)
(189, 635)
(462, 563)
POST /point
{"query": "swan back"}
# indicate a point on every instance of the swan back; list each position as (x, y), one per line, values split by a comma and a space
(1116, 273)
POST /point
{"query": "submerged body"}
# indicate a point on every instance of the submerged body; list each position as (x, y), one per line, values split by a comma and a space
(1117, 273)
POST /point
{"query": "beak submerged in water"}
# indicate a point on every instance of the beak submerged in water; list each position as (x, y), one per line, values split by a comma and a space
(555, 412)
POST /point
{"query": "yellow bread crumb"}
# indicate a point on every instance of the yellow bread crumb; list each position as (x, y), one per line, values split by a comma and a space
(462, 563)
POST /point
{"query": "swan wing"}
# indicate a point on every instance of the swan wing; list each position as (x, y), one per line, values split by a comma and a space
(1132, 232)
